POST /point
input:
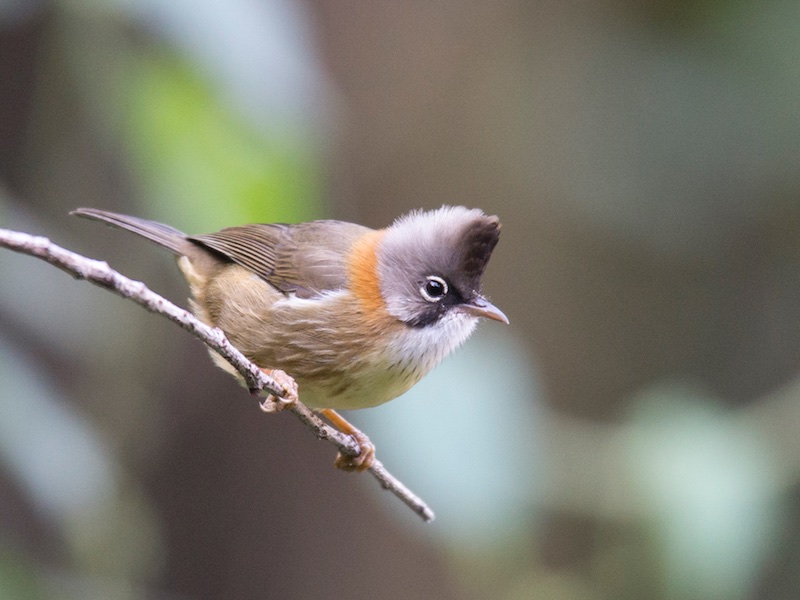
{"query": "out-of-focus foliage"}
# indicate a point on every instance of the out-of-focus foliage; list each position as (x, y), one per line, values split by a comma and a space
(18, 578)
(188, 144)
(712, 487)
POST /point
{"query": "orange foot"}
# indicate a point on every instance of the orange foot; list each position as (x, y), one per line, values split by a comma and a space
(366, 454)
(272, 403)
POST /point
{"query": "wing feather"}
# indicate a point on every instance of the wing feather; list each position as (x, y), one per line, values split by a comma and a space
(305, 259)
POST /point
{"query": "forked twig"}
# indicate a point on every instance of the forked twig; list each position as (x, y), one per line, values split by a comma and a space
(99, 273)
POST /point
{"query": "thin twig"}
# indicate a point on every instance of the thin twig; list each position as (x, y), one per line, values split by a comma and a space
(99, 273)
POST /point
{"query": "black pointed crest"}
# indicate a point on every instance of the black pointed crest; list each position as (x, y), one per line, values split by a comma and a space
(477, 245)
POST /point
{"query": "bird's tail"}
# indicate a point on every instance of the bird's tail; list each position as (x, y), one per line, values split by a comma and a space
(163, 235)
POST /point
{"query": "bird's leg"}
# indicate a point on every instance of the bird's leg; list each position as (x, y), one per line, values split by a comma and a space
(366, 455)
(273, 403)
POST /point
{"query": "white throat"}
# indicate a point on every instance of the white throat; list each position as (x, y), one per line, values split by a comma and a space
(425, 347)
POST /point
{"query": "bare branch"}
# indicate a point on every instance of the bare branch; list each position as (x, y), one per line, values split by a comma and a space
(99, 273)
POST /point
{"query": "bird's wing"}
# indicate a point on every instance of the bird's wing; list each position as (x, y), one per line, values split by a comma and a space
(305, 259)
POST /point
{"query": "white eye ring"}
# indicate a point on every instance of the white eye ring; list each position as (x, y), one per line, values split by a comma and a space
(434, 289)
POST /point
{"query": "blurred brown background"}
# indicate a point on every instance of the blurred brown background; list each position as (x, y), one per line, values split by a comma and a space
(632, 434)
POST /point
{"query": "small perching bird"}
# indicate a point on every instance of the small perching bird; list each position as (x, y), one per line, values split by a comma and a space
(356, 316)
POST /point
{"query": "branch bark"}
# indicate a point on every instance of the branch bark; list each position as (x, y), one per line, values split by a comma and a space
(100, 274)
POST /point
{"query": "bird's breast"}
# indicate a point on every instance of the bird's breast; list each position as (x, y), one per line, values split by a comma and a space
(390, 364)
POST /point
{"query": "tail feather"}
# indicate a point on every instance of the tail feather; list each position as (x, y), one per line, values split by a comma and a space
(161, 234)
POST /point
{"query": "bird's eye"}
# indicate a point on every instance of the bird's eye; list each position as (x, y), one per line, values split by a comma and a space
(434, 289)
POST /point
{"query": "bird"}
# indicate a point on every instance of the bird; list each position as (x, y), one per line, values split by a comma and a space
(343, 316)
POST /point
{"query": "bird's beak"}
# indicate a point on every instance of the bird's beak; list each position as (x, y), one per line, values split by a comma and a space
(481, 307)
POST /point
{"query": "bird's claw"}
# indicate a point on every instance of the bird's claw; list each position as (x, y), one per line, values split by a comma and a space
(360, 462)
(272, 403)
(366, 449)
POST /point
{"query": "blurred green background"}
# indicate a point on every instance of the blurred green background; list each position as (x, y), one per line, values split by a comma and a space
(633, 434)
